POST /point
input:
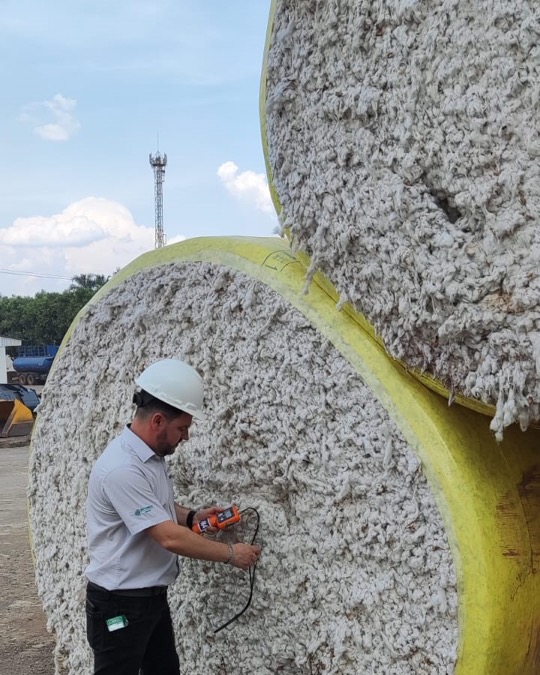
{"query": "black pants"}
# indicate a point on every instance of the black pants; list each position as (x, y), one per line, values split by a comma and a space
(146, 644)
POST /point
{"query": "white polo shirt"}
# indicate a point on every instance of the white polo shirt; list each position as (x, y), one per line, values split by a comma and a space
(129, 490)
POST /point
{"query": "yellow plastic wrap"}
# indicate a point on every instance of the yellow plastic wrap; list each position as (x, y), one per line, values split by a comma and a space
(488, 493)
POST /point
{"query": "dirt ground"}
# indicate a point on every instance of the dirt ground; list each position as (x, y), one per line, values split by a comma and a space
(25, 646)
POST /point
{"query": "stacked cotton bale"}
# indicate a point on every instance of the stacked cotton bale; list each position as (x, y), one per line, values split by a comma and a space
(403, 143)
(356, 574)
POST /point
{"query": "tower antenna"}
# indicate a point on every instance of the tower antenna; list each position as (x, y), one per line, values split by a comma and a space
(158, 162)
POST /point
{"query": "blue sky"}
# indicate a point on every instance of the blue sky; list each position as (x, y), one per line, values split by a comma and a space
(87, 86)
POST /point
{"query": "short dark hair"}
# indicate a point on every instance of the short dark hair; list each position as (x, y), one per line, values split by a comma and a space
(148, 405)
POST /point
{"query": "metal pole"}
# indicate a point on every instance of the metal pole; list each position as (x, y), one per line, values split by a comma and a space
(158, 162)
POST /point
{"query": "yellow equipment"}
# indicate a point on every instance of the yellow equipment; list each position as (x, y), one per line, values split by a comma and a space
(15, 419)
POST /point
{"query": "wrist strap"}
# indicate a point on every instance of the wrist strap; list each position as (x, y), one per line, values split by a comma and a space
(189, 519)
(230, 559)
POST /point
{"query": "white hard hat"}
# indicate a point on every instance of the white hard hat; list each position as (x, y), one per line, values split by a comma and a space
(176, 383)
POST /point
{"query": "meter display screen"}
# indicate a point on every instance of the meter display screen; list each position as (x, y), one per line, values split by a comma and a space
(225, 515)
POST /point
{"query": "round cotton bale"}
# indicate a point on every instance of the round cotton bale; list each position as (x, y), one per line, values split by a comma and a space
(403, 146)
(357, 574)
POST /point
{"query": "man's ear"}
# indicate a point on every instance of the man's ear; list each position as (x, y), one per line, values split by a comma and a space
(157, 420)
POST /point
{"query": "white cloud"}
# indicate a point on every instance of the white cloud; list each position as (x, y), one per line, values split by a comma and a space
(52, 120)
(66, 229)
(92, 236)
(248, 186)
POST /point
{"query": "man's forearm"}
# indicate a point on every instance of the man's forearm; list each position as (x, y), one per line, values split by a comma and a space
(181, 513)
(186, 543)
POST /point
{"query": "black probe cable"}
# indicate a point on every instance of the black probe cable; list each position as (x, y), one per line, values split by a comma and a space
(251, 575)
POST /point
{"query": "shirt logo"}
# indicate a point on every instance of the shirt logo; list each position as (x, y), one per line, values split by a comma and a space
(143, 510)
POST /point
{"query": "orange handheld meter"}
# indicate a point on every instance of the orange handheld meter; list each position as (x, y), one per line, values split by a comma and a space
(221, 520)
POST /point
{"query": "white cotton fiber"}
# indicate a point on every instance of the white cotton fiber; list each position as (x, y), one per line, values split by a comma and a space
(356, 574)
(404, 145)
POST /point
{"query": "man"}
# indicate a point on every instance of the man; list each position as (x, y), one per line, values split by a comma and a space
(136, 530)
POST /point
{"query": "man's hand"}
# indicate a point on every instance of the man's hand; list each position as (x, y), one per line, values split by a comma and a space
(206, 513)
(245, 555)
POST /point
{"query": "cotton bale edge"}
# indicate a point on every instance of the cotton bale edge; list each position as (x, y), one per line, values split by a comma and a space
(456, 449)
(262, 109)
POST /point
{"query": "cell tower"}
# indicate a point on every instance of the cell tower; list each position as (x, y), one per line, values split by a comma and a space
(158, 162)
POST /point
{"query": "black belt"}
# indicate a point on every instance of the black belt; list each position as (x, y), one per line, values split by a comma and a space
(148, 592)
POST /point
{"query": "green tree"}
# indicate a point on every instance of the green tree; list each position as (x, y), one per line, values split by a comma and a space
(89, 281)
(45, 318)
